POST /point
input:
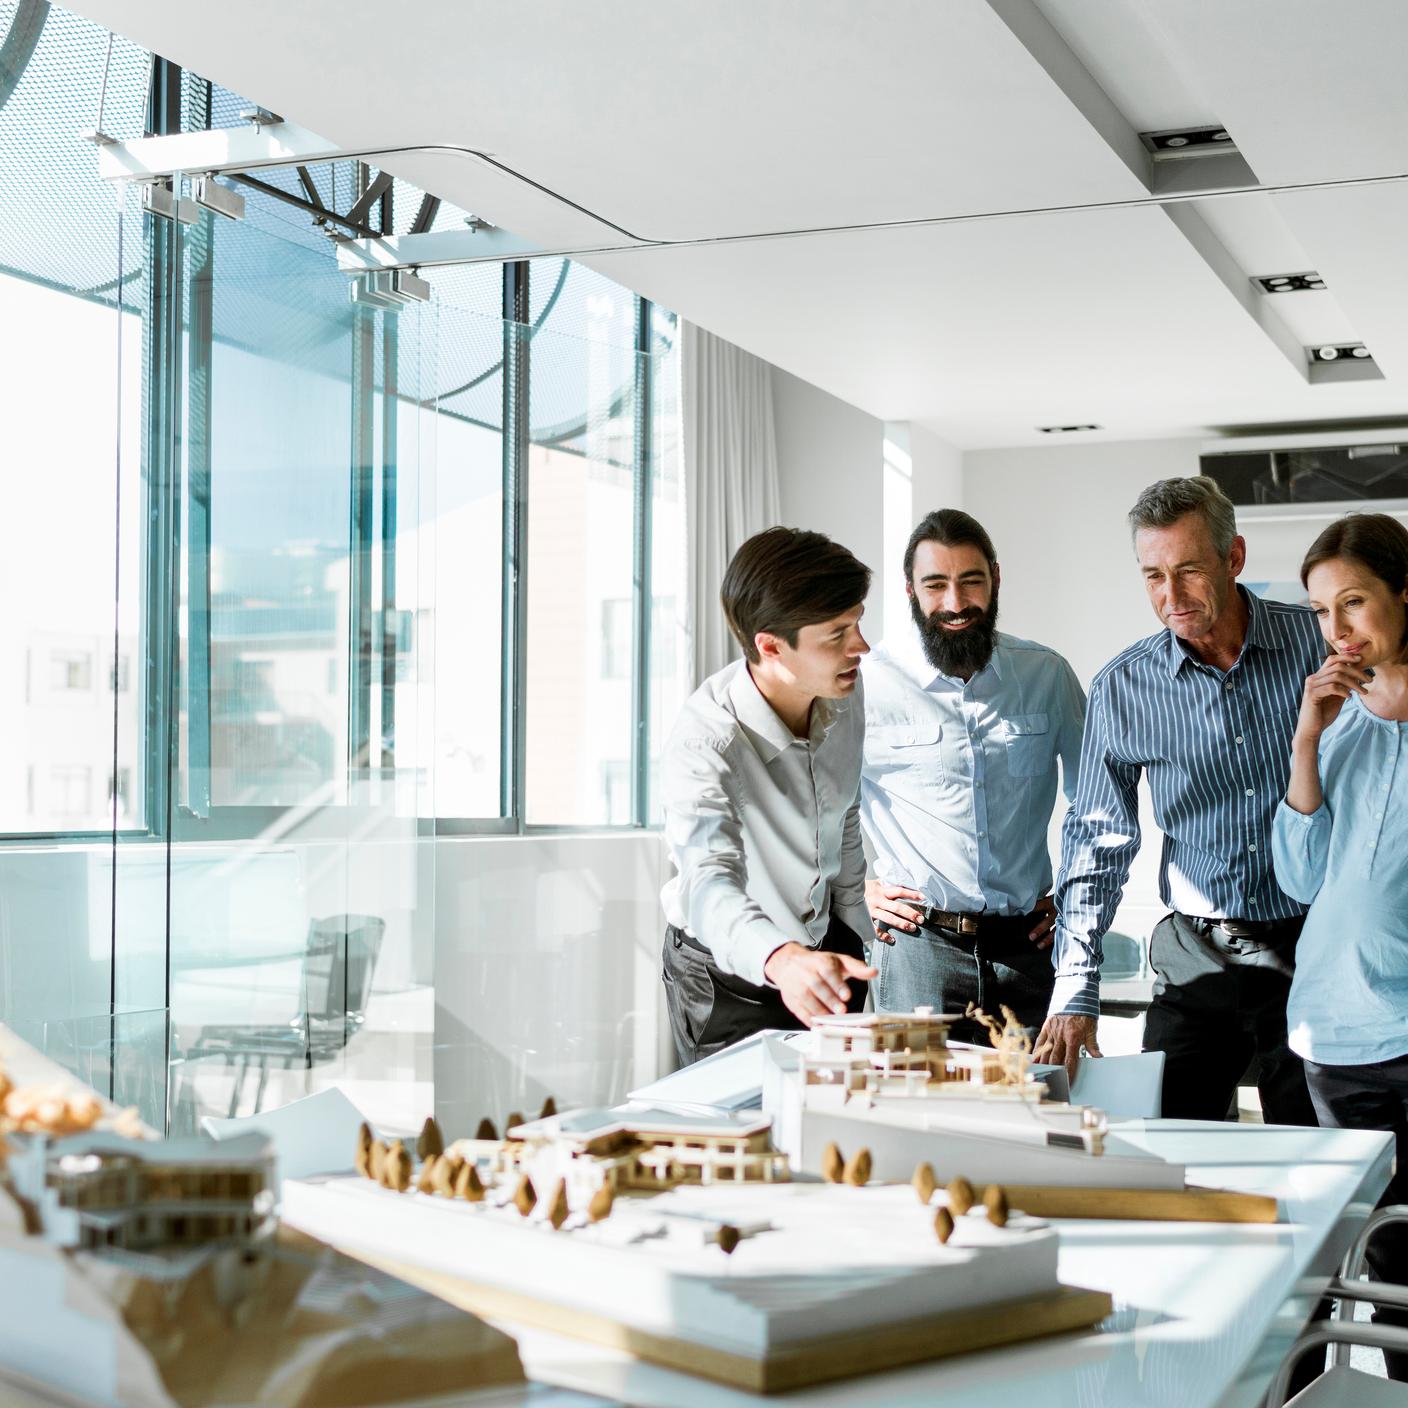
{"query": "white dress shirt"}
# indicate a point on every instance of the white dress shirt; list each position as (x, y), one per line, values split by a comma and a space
(960, 776)
(762, 826)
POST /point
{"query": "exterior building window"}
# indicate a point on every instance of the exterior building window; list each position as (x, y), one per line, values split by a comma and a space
(70, 671)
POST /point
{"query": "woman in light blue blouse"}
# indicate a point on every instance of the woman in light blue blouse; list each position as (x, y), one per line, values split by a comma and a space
(1340, 842)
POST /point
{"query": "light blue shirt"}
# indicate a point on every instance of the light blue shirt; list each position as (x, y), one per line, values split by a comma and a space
(1349, 862)
(1216, 746)
(960, 777)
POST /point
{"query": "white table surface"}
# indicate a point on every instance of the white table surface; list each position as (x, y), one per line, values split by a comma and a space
(1203, 1315)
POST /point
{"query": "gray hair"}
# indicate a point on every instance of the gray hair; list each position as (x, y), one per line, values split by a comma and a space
(1167, 500)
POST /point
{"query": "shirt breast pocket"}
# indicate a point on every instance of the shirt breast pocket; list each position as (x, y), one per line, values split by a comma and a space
(910, 748)
(1029, 744)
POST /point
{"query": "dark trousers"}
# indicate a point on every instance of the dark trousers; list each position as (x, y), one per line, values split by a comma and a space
(710, 1009)
(1374, 1097)
(946, 970)
(1219, 1002)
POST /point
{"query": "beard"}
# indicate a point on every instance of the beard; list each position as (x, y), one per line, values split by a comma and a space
(960, 653)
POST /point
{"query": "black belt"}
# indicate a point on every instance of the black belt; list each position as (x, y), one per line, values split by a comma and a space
(1241, 928)
(979, 925)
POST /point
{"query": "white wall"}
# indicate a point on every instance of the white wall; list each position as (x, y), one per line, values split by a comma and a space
(938, 472)
(1057, 519)
(830, 461)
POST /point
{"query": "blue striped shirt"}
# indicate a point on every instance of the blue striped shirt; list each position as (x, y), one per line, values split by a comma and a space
(1217, 748)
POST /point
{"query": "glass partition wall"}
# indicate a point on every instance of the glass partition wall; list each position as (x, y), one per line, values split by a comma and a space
(303, 592)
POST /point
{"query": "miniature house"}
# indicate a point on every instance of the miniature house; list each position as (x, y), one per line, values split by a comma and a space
(645, 1151)
(96, 1190)
(894, 1053)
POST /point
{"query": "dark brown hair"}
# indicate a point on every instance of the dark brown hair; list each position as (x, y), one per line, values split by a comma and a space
(1373, 540)
(950, 528)
(783, 579)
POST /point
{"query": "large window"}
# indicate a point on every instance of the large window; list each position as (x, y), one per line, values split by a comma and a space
(295, 583)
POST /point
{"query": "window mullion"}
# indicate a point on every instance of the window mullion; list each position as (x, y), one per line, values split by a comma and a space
(641, 485)
(514, 676)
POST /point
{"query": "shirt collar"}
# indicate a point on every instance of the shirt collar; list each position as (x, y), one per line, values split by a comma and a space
(759, 718)
(915, 663)
(1262, 632)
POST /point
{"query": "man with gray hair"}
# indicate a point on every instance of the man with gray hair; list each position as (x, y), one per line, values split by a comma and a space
(1206, 708)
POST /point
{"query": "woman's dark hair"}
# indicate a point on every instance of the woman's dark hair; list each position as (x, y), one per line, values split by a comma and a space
(950, 528)
(783, 579)
(1374, 540)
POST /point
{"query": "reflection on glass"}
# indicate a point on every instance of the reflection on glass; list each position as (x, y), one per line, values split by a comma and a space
(580, 554)
(461, 425)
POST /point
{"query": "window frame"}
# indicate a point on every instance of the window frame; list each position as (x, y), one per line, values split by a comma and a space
(176, 370)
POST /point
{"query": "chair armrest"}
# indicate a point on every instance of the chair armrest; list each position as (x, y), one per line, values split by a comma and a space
(1353, 1265)
(1328, 1333)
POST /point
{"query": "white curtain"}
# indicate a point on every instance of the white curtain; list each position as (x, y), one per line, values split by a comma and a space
(730, 474)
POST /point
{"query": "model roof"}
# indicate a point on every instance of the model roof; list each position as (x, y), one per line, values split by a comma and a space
(597, 1123)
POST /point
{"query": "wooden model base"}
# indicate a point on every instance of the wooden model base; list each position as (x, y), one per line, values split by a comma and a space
(795, 1365)
(1190, 1204)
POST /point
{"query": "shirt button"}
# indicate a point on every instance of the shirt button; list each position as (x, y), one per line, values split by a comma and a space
(1239, 738)
(1250, 792)
(1251, 901)
(1251, 846)
(978, 783)
(981, 834)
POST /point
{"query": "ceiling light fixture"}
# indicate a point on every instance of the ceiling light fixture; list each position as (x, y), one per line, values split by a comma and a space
(1308, 282)
(1180, 143)
(1066, 429)
(1332, 352)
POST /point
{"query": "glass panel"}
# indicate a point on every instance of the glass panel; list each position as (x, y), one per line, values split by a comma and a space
(301, 902)
(580, 552)
(71, 666)
(669, 662)
(460, 424)
(269, 564)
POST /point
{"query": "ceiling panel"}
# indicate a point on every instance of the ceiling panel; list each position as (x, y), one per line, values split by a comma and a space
(686, 122)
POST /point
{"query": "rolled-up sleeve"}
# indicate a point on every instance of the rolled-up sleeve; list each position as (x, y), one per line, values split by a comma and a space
(705, 835)
(1300, 848)
(1099, 840)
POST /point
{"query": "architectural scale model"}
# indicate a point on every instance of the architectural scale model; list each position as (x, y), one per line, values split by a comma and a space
(891, 1082)
(730, 1257)
(149, 1272)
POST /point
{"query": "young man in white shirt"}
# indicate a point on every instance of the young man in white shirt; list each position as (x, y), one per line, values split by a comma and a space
(767, 919)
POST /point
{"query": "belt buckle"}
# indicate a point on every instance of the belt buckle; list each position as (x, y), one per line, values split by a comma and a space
(1231, 943)
(968, 924)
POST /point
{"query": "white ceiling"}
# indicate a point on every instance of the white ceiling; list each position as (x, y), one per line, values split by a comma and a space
(720, 124)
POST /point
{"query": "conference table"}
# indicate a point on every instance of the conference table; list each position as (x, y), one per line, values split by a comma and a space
(1204, 1313)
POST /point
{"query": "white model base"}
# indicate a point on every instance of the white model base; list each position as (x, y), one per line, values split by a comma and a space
(816, 1259)
(900, 1140)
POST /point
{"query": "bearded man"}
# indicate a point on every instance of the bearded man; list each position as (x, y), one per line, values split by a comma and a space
(963, 728)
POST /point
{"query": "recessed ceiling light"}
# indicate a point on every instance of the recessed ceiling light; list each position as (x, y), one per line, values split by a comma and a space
(1066, 429)
(1332, 352)
(1289, 283)
(1184, 142)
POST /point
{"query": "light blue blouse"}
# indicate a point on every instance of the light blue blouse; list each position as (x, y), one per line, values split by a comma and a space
(1349, 862)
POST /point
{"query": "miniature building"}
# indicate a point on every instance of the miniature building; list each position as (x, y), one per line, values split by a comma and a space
(646, 1152)
(98, 1190)
(894, 1053)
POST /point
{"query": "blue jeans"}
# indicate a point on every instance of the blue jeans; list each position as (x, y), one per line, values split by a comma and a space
(946, 970)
